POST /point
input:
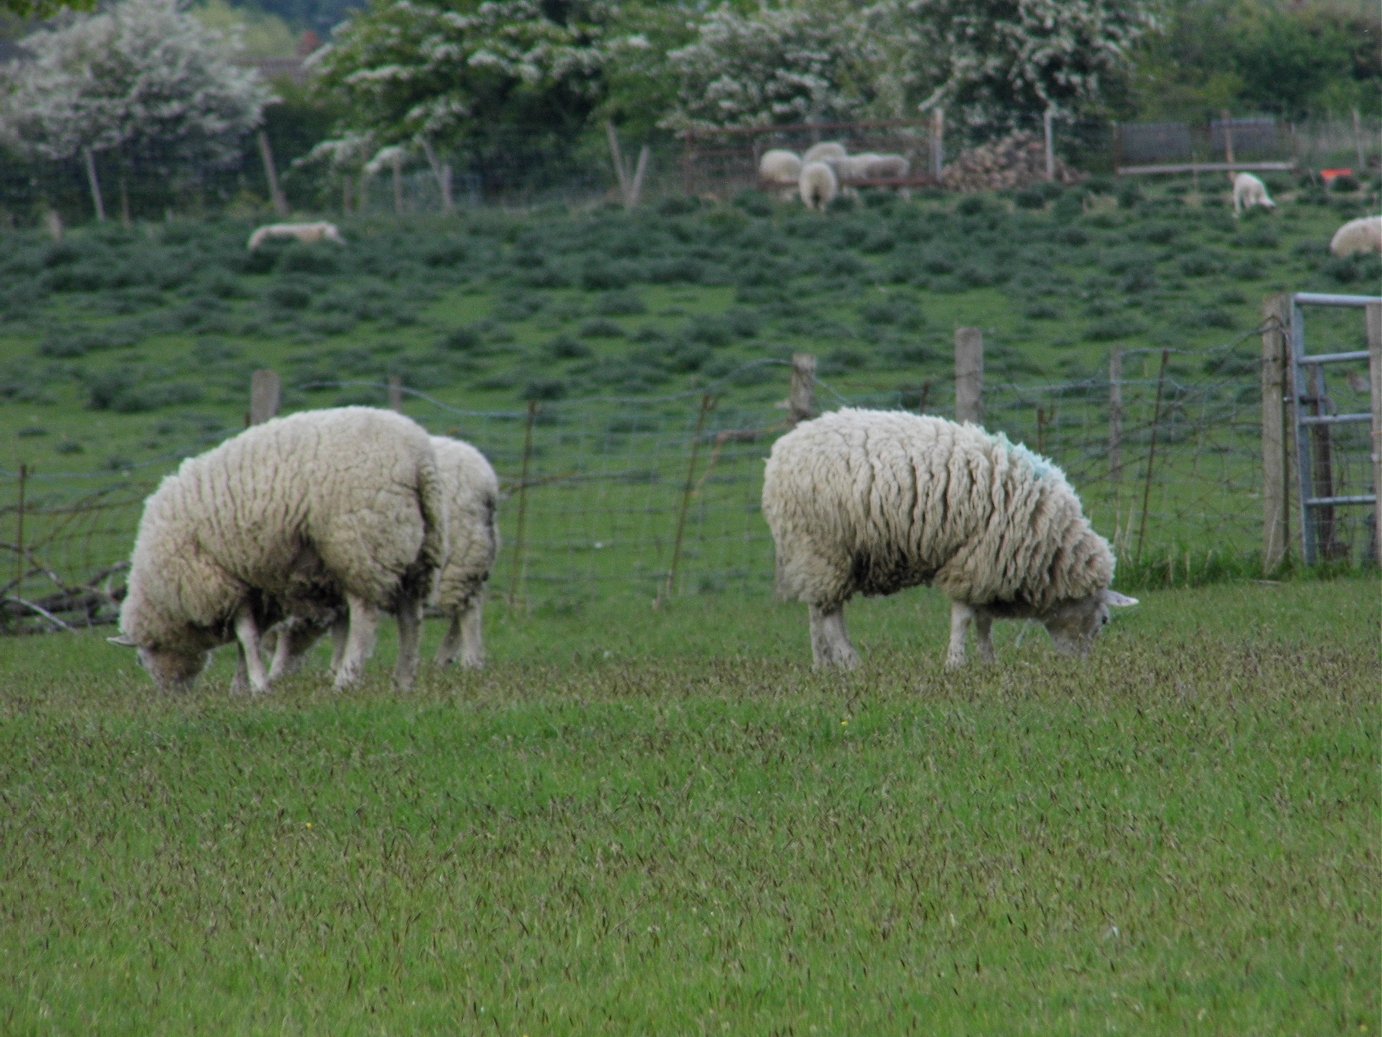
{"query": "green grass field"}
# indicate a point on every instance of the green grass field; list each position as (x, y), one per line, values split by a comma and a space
(662, 821)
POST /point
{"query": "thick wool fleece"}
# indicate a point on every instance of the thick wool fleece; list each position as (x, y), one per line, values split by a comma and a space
(1360, 235)
(871, 502)
(284, 515)
(472, 493)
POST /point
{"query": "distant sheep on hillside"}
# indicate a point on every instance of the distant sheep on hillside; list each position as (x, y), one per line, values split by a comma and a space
(304, 232)
(818, 185)
(1248, 191)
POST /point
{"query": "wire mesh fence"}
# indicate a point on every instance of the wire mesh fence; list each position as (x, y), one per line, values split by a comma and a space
(652, 497)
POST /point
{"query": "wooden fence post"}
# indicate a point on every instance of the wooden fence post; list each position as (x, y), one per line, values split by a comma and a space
(707, 404)
(1048, 131)
(396, 393)
(1374, 321)
(266, 155)
(969, 375)
(521, 530)
(937, 142)
(266, 392)
(801, 399)
(1276, 439)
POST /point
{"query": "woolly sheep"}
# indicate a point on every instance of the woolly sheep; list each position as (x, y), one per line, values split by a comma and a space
(304, 232)
(826, 149)
(818, 185)
(1248, 191)
(280, 520)
(472, 496)
(1360, 235)
(779, 167)
(870, 165)
(871, 502)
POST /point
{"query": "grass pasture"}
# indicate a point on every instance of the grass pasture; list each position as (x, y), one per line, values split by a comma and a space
(675, 826)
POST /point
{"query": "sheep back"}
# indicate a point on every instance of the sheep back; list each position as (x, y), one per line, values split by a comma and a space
(472, 491)
(1360, 235)
(779, 166)
(287, 513)
(874, 501)
(818, 185)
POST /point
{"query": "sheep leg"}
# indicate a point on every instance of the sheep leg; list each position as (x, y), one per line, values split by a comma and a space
(464, 638)
(359, 643)
(983, 635)
(830, 646)
(250, 664)
(960, 616)
(409, 634)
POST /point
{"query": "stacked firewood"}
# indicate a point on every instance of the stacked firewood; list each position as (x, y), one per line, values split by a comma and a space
(1015, 161)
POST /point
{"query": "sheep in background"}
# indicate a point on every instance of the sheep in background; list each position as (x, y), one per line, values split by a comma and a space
(472, 496)
(871, 502)
(780, 169)
(1248, 191)
(280, 520)
(1361, 235)
(818, 185)
(823, 150)
(304, 232)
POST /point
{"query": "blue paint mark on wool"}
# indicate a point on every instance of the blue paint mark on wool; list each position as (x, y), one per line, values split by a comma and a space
(1041, 466)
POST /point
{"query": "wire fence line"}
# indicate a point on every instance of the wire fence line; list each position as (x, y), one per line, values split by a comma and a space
(658, 496)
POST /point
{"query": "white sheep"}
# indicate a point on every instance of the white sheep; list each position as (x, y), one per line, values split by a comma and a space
(871, 502)
(281, 520)
(818, 185)
(779, 168)
(304, 232)
(1361, 235)
(472, 496)
(823, 150)
(1248, 191)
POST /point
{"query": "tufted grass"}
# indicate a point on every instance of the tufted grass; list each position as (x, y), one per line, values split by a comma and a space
(662, 821)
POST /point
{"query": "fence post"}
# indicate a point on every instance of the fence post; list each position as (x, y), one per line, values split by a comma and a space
(266, 392)
(1151, 453)
(519, 545)
(1276, 440)
(1115, 419)
(969, 375)
(707, 404)
(1048, 130)
(396, 393)
(19, 531)
(801, 399)
(1374, 321)
(266, 155)
(937, 142)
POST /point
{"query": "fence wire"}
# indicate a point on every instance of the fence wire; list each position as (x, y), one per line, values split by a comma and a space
(655, 497)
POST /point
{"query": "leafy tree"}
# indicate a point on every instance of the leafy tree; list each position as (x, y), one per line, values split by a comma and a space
(145, 82)
(43, 8)
(464, 73)
(776, 65)
(1008, 61)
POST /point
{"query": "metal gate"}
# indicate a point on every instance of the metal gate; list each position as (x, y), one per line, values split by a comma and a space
(1316, 422)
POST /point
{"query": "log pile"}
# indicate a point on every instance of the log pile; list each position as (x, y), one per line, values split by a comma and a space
(1015, 161)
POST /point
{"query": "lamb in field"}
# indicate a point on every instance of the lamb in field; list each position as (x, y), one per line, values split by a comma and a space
(818, 185)
(1355, 236)
(285, 519)
(304, 232)
(870, 502)
(780, 169)
(1248, 191)
(472, 497)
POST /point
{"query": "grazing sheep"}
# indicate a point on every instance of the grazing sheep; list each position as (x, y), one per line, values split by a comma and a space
(779, 168)
(818, 185)
(826, 149)
(304, 232)
(870, 502)
(1248, 191)
(1361, 235)
(285, 519)
(472, 495)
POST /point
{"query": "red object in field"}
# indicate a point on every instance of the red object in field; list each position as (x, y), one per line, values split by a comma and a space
(1330, 175)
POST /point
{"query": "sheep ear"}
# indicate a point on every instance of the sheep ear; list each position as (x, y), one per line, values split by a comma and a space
(1118, 600)
(123, 641)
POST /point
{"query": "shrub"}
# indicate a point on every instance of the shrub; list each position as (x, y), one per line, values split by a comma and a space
(619, 303)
